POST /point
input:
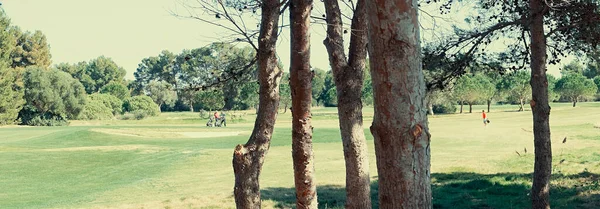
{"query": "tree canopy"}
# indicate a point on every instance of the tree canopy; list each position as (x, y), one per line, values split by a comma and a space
(96, 73)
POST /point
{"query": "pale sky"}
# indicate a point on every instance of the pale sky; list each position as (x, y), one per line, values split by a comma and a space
(129, 30)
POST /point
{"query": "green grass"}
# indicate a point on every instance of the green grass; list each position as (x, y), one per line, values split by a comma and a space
(150, 164)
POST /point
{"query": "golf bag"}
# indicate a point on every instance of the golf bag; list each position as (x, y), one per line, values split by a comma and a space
(210, 121)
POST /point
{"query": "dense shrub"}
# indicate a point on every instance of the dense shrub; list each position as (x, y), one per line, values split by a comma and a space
(141, 103)
(444, 108)
(95, 110)
(51, 95)
(30, 116)
(135, 115)
(110, 101)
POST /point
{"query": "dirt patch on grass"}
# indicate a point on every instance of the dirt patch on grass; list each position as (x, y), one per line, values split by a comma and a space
(166, 133)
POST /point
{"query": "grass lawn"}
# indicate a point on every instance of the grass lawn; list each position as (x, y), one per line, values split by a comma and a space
(174, 161)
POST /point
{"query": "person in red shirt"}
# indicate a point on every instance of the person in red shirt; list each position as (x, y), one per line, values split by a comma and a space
(485, 120)
(216, 115)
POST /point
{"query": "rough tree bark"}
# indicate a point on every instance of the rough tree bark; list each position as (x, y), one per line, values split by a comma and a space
(301, 86)
(542, 170)
(348, 76)
(400, 126)
(248, 158)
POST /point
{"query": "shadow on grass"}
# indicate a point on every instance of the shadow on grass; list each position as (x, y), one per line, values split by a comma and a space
(471, 190)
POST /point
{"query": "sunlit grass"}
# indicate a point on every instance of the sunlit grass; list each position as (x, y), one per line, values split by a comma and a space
(150, 164)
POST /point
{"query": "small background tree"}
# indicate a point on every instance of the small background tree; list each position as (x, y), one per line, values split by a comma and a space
(517, 88)
(466, 90)
(576, 87)
(161, 94)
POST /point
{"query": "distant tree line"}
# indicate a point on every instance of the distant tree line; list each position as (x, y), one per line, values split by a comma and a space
(577, 83)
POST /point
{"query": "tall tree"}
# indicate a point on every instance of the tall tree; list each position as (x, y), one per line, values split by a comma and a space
(540, 108)
(575, 87)
(11, 88)
(301, 86)
(400, 128)
(349, 79)
(571, 26)
(248, 158)
(31, 49)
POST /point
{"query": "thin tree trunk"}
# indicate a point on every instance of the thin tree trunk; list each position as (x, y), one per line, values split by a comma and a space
(191, 107)
(489, 102)
(430, 108)
(461, 107)
(248, 158)
(521, 108)
(540, 191)
(574, 102)
(285, 109)
(349, 82)
(300, 83)
(470, 108)
(400, 126)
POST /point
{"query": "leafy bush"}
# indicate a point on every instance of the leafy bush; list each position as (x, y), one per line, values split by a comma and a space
(110, 101)
(139, 114)
(444, 108)
(141, 103)
(95, 110)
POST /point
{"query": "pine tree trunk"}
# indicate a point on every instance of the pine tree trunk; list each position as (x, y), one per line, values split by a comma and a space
(400, 127)
(540, 109)
(300, 83)
(349, 81)
(248, 159)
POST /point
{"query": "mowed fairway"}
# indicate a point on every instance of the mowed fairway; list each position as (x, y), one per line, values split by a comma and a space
(174, 161)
